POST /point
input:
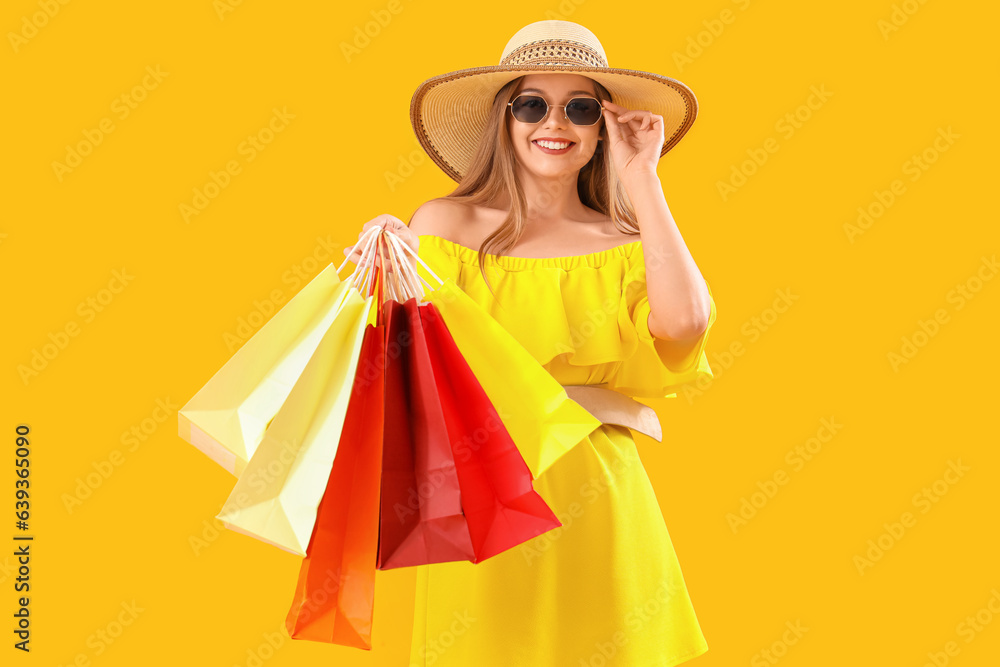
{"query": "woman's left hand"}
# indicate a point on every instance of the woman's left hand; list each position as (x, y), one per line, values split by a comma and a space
(636, 139)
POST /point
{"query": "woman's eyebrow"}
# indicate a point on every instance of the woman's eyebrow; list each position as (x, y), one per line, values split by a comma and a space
(572, 92)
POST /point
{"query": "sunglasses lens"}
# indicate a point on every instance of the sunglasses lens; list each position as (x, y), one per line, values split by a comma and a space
(583, 111)
(529, 108)
(580, 110)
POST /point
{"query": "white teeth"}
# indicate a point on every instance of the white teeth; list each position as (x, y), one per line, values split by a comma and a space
(552, 145)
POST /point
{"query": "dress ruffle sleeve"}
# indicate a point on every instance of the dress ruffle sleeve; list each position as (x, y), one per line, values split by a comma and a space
(656, 368)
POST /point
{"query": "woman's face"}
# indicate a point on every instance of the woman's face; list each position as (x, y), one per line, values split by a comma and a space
(556, 88)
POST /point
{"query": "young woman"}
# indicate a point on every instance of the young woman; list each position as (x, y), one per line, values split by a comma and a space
(559, 228)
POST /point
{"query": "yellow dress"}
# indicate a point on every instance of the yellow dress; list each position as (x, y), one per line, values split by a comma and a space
(605, 588)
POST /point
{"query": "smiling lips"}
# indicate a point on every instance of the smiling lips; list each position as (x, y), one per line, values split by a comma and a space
(553, 147)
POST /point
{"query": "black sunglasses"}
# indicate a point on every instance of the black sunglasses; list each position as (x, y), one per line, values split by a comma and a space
(579, 110)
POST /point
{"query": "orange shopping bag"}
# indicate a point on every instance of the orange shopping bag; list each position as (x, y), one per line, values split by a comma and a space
(335, 594)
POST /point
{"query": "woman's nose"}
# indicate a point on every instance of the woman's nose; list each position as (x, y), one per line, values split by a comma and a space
(556, 113)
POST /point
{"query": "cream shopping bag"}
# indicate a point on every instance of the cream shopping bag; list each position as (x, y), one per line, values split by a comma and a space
(227, 418)
(277, 496)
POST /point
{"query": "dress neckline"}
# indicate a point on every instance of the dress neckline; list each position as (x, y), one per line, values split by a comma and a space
(590, 259)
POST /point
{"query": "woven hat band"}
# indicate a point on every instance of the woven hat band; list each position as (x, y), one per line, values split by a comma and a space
(555, 52)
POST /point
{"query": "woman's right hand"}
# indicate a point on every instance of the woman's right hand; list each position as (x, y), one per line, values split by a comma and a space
(393, 224)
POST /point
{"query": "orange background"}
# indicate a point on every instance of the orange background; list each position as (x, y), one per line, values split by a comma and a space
(905, 129)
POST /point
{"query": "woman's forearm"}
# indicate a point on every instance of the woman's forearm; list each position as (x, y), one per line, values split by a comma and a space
(678, 297)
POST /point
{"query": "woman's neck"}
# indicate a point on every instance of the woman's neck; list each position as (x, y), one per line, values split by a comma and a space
(550, 199)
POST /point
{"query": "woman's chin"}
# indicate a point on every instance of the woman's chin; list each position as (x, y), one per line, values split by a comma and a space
(548, 169)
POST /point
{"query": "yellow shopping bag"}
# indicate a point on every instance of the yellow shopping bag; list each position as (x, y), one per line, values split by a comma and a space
(227, 418)
(277, 496)
(543, 421)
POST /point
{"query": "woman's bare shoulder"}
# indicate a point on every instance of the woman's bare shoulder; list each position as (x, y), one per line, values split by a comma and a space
(450, 219)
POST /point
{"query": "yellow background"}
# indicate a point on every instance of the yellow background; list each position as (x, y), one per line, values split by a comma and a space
(161, 336)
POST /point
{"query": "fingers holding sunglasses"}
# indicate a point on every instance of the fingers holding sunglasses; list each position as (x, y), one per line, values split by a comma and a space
(617, 109)
(617, 118)
(636, 120)
(639, 126)
(615, 134)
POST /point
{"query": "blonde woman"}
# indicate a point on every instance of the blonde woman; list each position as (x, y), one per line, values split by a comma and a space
(560, 229)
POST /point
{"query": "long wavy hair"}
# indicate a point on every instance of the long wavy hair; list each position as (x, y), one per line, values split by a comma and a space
(492, 173)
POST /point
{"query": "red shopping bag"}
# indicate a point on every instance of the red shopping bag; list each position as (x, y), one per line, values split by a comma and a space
(335, 593)
(501, 506)
(421, 518)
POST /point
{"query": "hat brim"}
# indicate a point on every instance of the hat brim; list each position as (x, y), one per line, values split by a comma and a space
(448, 112)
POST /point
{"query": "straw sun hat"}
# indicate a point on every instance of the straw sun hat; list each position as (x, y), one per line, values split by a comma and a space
(449, 111)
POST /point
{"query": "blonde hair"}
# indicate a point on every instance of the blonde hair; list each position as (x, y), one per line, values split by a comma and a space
(492, 173)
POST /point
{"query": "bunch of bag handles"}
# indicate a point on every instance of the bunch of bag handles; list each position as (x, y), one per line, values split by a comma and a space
(402, 284)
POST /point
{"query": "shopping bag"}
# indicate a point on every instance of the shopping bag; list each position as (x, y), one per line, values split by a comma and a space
(416, 402)
(540, 417)
(227, 417)
(277, 496)
(499, 503)
(335, 592)
(421, 519)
